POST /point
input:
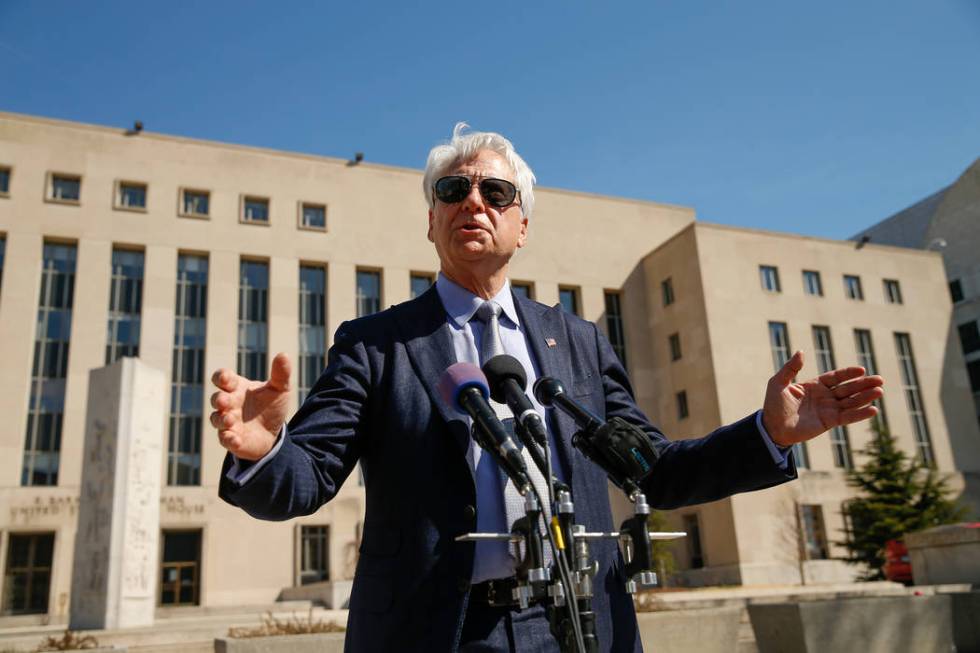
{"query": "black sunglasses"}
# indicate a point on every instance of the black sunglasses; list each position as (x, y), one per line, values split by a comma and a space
(498, 193)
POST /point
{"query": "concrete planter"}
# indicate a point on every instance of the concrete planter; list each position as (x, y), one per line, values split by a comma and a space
(682, 631)
(317, 643)
(922, 624)
(945, 554)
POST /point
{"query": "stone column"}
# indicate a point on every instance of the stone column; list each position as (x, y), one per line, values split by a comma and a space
(114, 579)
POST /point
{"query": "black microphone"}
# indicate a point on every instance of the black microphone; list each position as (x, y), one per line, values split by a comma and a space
(624, 451)
(464, 386)
(508, 381)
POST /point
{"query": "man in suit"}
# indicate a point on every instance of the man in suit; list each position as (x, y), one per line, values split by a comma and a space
(416, 588)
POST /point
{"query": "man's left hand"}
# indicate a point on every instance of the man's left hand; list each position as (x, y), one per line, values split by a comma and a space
(798, 411)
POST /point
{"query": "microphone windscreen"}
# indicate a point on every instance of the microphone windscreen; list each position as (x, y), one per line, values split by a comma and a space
(459, 377)
(500, 368)
(546, 389)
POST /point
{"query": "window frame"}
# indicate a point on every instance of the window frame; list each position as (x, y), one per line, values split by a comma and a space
(576, 298)
(117, 195)
(958, 284)
(381, 288)
(524, 284)
(859, 286)
(812, 274)
(300, 209)
(667, 295)
(4, 194)
(683, 405)
(181, 195)
(49, 188)
(763, 278)
(417, 274)
(889, 285)
(244, 199)
(674, 345)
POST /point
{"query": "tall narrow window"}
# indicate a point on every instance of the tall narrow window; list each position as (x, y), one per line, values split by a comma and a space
(852, 287)
(913, 398)
(866, 359)
(180, 568)
(956, 290)
(811, 283)
(314, 547)
(779, 344)
(3, 251)
(368, 292)
(893, 292)
(814, 532)
(27, 577)
(4, 181)
(253, 319)
(45, 411)
(973, 370)
(682, 410)
(769, 275)
(312, 326)
(614, 325)
(419, 283)
(568, 298)
(667, 291)
(675, 346)
(125, 305)
(187, 376)
(969, 337)
(840, 442)
(522, 288)
(693, 529)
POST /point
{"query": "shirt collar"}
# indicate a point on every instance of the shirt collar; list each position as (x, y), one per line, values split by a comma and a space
(461, 304)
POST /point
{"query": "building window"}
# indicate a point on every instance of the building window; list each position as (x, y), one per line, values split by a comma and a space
(840, 442)
(180, 573)
(682, 411)
(667, 291)
(255, 209)
(693, 529)
(27, 579)
(368, 292)
(253, 319)
(49, 370)
(4, 181)
(419, 282)
(779, 344)
(811, 283)
(913, 398)
(969, 337)
(64, 188)
(3, 251)
(195, 203)
(568, 298)
(313, 216)
(866, 359)
(314, 547)
(187, 375)
(523, 288)
(973, 369)
(125, 305)
(131, 195)
(769, 275)
(614, 325)
(852, 287)
(956, 290)
(814, 532)
(312, 326)
(675, 346)
(893, 292)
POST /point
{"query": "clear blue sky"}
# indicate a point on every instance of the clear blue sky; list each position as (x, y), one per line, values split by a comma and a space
(816, 118)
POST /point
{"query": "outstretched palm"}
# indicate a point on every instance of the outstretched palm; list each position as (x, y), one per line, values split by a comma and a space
(798, 411)
(248, 414)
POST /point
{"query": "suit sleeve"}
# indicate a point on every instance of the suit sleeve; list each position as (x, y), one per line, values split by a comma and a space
(321, 443)
(732, 459)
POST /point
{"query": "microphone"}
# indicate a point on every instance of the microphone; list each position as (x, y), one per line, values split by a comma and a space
(508, 380)
(463, 386)
(621, 449)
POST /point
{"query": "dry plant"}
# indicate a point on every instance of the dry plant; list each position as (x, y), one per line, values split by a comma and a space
(293, 626)
(70, 641)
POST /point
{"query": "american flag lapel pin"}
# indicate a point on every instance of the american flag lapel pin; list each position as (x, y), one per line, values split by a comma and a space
(550, 342)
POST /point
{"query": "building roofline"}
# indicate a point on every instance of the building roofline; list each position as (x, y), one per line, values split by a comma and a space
(289, 154)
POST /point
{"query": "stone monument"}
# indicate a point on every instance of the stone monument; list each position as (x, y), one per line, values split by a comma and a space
(114, 579)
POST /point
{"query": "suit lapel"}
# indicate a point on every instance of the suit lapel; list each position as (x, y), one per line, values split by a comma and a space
(547, 337)
(425, 332)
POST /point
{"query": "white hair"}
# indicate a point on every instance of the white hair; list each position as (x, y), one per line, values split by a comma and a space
(462, 148)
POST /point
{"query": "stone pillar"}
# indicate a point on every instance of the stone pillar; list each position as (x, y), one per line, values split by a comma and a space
(114, 579)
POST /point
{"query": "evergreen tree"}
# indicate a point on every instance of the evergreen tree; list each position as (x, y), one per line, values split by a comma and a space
(898, 495)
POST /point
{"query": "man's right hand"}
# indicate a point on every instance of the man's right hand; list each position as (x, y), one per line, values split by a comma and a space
(249, 414)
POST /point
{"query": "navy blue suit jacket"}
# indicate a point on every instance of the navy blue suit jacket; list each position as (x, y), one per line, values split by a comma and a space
(377, 403)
